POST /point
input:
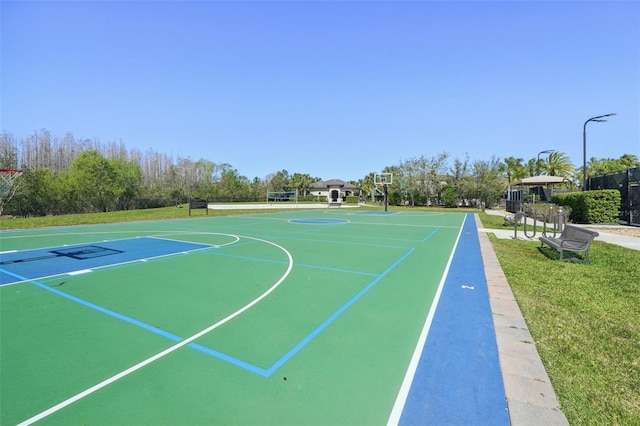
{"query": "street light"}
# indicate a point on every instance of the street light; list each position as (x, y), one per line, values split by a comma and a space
(548, 151)
(584, 146)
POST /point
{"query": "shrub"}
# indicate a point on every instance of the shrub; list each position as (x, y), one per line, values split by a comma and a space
(600, 206)
(450, 198)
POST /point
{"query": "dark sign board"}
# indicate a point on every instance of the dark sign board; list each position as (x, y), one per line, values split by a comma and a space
(198, 203)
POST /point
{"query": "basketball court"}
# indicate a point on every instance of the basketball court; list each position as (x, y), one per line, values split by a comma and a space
(336, 316)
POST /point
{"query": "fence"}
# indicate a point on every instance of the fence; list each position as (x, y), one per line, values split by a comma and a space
(628, 183)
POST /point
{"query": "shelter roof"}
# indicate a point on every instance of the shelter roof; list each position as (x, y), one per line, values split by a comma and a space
(541, 180)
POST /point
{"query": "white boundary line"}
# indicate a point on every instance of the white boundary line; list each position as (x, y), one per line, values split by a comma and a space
(398, 407)
(173, 348)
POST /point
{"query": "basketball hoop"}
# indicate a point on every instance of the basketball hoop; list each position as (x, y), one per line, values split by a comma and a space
(7, 179)
(384, 179)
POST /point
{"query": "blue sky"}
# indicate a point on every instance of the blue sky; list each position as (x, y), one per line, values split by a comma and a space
(335, 89)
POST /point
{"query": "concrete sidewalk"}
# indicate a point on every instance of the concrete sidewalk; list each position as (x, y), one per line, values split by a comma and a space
(608, 237)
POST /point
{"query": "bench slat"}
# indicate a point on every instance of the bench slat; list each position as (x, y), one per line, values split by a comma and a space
(572, 238)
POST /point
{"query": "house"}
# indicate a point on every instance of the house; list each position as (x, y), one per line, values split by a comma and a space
(335, 190)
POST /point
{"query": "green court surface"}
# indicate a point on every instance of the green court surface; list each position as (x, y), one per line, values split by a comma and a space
(301, 317)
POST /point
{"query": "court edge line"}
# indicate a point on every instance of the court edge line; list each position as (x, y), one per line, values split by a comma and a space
(403, 393)
(167, 351)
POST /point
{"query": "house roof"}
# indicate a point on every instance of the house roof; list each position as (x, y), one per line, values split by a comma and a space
(332, 183)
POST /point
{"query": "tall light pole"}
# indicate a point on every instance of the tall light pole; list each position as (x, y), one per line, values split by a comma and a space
(584, 146)
(548, 151)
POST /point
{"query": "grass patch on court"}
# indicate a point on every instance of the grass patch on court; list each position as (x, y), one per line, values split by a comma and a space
(585, 320)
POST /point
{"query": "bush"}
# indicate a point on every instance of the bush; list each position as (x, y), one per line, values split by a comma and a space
(450, 198)
(600, 206)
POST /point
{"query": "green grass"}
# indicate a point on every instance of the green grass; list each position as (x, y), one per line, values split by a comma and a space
(585, 320)
(180, 212)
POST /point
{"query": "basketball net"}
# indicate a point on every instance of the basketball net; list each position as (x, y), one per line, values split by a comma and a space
(7, 179)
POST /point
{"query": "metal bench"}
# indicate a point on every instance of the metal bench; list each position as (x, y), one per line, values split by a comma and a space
(572, 238)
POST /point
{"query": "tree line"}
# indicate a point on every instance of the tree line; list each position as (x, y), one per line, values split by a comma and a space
(69, 175)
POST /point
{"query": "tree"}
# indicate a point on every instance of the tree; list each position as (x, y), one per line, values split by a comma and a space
(488, 183)
(127, 179)
(257, 189)
(629, 160)
(558, 164)
(8, 151)
(424, 177)
(531, 168)
(38, 195)
(232, 185)
(368, 186)
(301, 182)
(92, 180)
(9, 188)
(461, 180)
(394, 191)
(514, 169)
(449, 197)
(279, 181)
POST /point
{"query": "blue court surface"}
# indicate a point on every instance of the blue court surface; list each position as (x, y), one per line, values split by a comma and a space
(35, 264)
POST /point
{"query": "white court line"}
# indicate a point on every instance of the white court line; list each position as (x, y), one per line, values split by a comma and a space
(235, 238)
(173, 348)
(401, 399)
(80, 272)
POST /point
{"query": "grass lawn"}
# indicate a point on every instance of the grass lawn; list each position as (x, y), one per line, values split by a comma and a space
(585, 319)
(179, 212)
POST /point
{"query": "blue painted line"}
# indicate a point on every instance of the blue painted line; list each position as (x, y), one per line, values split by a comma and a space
(253, 259)
(333, 317)
(430, 234)
(230, 359)
(346, 271)
(458, 379)
(234, 361)
(347, 243)
(11, 274)
(148, 327)
(303, 265)
(320, 221)
(374, 213)
(104, 310)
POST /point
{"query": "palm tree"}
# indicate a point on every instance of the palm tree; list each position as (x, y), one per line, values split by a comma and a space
(558, 164)
(513, 168)
(629, 160)
(531, 168)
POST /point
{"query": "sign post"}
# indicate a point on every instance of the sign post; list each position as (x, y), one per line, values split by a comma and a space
(198, 203)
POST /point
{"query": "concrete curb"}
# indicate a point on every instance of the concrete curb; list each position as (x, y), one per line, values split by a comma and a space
(530, 395)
